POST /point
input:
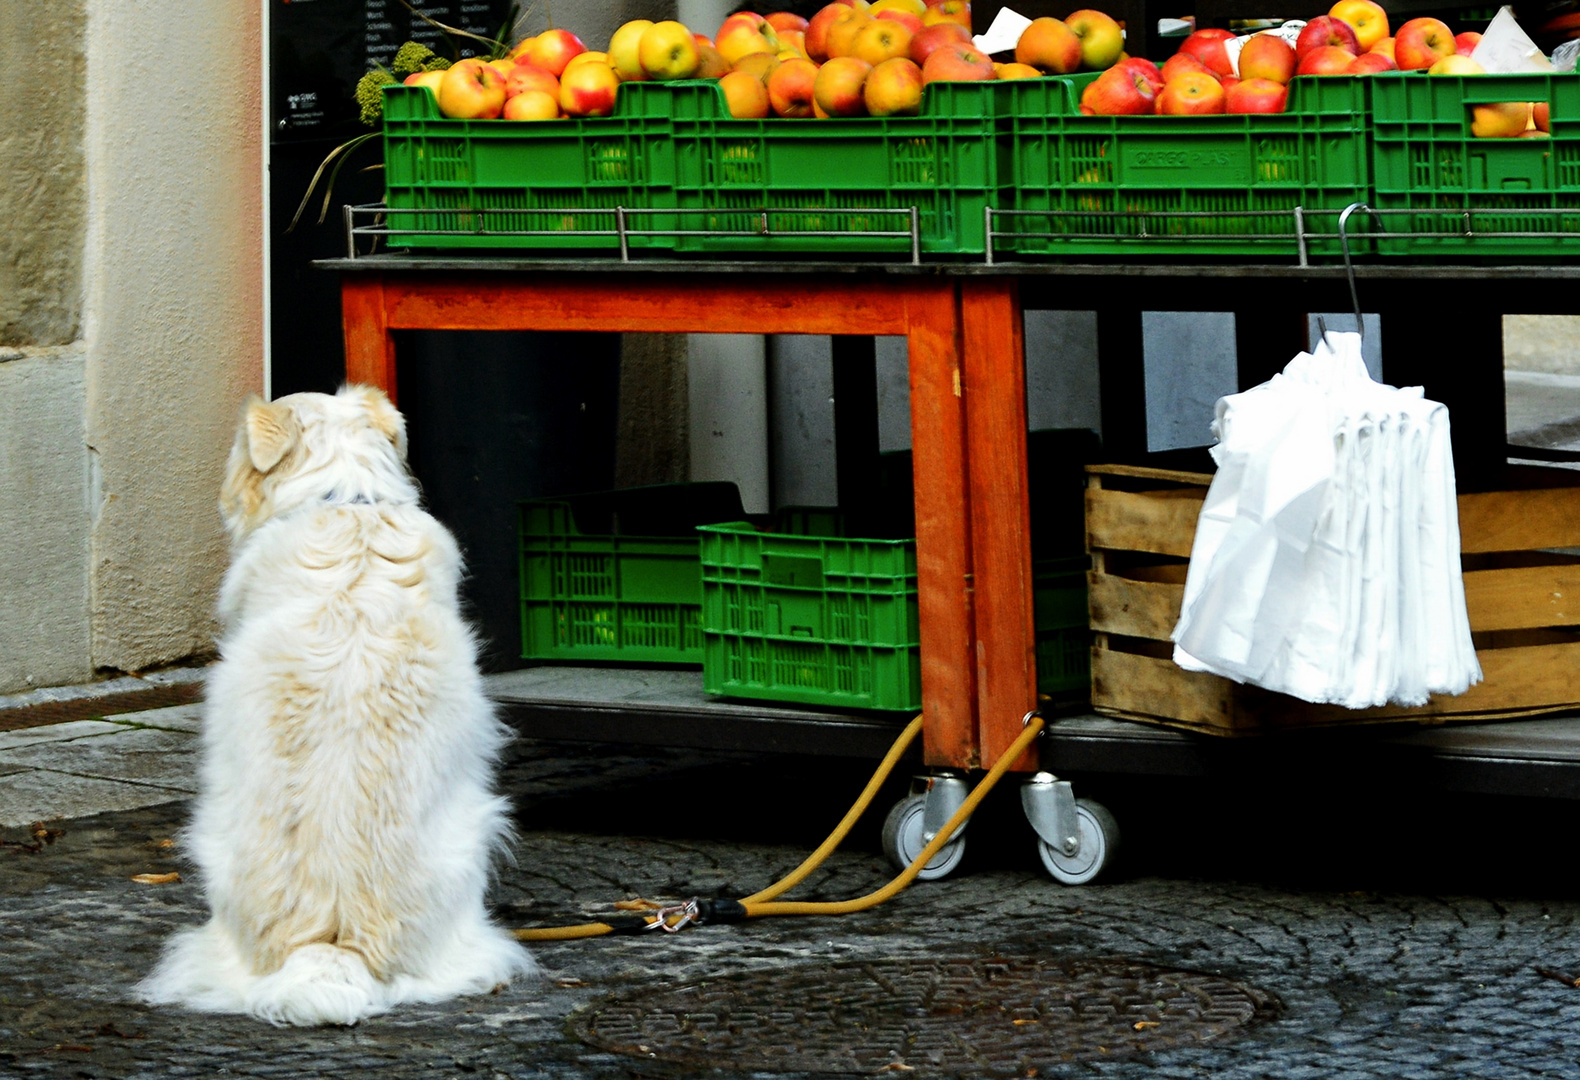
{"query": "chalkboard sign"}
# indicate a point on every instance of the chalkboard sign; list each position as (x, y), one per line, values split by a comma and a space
(318, 49)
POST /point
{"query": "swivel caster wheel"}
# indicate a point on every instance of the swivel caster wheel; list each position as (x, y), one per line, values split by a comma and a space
(1098, 839)
(904, 837)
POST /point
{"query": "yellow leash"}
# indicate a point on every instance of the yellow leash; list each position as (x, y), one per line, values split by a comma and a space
(762, 903)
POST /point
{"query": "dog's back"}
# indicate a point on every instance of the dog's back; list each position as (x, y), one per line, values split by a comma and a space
(347, 819)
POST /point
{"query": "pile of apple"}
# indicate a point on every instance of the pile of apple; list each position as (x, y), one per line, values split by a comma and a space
(852, 58)
(1352, 39)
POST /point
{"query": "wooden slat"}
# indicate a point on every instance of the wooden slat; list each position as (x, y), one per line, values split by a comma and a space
(1147, 472)
(1516, 682)
(1143, 609)
(1159, 523)
(995, 399)
(1521, 598)
(943, 536)
(1519, 520)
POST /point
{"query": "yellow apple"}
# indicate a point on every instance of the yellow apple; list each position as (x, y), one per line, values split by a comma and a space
(837, 90)
(1366, 18)
(1454, 64)
(1503, 120)
(532, 105)
(667, 51)
(623, 50)
(745, 95)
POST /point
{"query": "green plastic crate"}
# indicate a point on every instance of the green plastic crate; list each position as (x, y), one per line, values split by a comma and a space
(1190, 186)
(817, 620)
(1428, 162)
(805, 177)
(551, 177)
(599, 581)
(1063, 637)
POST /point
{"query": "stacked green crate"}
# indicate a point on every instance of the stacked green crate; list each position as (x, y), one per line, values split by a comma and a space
(615, 576)
(1221, 186)
(477, 180)
(1461, 187)
(818, 620)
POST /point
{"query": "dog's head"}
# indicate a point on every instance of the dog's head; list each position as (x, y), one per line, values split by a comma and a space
(308, 448)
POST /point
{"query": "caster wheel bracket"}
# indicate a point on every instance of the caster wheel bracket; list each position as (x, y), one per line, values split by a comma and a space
(1049, 804)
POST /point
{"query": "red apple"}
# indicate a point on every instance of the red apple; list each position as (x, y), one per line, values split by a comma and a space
(957, 63)
(1326, 60)
(553, 49)
(1256, 96)
(1102, 39)
(1049, 46)
(1420, 43)
(790, 88)
(785, 20)
(842, 34)
(1194, 93)
(1267, 56)
(1541, 114)
(817, 29)
(1146, 67)
(744, 33)
(1371, 63)
(1465, 43)
(588, 89)
(525, 77)
(894, 88)
(937, 36)
(1120, 91)
(912, 23)
(837, 90)
(471, 90)
(1180, 63)
(1325, 30)
(1207, 46)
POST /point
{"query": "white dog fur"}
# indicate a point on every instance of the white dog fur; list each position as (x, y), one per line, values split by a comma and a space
(347, 817)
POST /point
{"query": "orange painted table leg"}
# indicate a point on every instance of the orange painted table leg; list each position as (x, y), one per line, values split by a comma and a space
(1003, 616)
(925, 310)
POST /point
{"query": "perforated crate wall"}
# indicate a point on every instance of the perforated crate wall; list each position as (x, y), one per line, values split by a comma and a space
(1466, 187)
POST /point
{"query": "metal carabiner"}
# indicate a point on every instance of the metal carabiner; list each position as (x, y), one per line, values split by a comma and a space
(684, 915)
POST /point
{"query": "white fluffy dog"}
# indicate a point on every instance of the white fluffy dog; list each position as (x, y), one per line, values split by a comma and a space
(347, 817)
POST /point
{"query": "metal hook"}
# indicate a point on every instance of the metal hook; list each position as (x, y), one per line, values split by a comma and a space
(1349, 266)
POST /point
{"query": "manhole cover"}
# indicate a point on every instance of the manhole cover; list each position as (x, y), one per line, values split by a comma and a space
(999, 1016)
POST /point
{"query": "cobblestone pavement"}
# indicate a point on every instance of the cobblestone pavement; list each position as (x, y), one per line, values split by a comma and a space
(1394, 935)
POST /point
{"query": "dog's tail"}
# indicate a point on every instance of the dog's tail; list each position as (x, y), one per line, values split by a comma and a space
(317, 984)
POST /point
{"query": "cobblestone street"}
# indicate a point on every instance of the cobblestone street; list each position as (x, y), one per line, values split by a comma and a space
(1376, 935)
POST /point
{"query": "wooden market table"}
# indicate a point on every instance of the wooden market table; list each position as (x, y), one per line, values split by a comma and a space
(963, 326)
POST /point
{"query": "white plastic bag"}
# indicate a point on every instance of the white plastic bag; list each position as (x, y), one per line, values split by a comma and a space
(1326, 557)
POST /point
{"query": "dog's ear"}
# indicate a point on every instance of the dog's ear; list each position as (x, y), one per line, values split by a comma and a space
(385, 418)
(271, 429)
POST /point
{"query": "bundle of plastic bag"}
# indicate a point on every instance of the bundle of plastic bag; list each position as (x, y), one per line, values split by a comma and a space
(1326, 558)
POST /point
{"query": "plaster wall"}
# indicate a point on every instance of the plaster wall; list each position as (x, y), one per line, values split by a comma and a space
(43, 519)
(173, 319)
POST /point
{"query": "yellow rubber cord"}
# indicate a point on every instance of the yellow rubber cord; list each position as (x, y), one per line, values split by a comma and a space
(759, 903)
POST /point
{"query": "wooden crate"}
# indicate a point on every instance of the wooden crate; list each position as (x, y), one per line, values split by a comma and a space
(1521, 591)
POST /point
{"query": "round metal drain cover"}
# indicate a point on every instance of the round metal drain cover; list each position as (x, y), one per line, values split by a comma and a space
(996, 1016)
